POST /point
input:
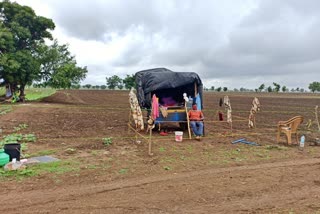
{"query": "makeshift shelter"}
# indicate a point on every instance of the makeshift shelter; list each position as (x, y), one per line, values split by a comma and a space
(167, 84)
(169, 87)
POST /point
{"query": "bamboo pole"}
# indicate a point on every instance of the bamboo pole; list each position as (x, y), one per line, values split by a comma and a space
(188, 121)
(317, 120)
(150, 139)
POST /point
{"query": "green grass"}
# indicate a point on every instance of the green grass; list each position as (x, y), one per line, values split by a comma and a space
(34, 93)
(55, 168)
(2, 91)
(38, 93)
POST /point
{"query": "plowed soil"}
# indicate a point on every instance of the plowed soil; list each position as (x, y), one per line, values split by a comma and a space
(208, 176)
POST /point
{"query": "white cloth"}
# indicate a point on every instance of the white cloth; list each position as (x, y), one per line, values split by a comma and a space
(227, 105)
(136, 110)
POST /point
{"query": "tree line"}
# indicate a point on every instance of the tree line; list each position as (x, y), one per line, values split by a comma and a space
(314, 87)
(26, 57)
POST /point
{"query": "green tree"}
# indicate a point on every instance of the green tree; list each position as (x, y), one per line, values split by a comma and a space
(276, 87)
(212, 88)
(88, 86)
(103, 87)
(219, 89)
(314, 86)
(225, 89)
(284, 88)
(261, 87)
(59, 68)
(113, 82)
(24, 56)
(129, 81)
(21, 33)
(269, 89)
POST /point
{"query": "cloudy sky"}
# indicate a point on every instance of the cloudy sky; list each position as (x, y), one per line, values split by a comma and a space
(232, 43)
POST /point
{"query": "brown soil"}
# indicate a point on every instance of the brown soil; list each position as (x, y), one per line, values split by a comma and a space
(210, 176)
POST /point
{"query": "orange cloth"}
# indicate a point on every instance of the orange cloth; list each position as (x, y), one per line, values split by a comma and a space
(195, 115)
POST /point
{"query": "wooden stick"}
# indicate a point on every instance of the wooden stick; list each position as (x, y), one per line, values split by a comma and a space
(188, 121)
(150, 139)
(317, 120)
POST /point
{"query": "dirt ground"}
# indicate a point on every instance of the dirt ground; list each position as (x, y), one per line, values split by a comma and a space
(210, 176)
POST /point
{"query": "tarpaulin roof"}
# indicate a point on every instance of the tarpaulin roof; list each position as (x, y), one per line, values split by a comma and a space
(160, 80)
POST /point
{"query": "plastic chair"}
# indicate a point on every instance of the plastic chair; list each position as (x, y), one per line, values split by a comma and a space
(289, 127)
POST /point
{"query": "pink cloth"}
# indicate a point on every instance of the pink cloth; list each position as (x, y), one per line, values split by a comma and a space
(155, 107)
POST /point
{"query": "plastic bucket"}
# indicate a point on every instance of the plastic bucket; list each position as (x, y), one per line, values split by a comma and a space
(13, 150)
(178, 136)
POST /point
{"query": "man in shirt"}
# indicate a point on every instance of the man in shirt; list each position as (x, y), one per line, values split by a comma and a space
(196, 118)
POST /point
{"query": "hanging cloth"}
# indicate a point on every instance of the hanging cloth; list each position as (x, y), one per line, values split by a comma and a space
(136, 110)
(227, 106)
(8, 91)
(198, 102)
(254, 109)
(155, 107)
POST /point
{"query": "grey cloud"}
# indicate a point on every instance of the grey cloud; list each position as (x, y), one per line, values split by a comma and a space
(230, 40)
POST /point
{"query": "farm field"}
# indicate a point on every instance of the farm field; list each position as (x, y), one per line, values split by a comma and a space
(103, 168)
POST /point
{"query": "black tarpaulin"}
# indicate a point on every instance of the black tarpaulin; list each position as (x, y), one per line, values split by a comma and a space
(166, 83)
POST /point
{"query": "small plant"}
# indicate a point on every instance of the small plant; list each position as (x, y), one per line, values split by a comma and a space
(29, 138)
(107, 141)
(17, 138)
(123, 171)
(167, 168)
(161, 149)
(5, 110)
(20, 127)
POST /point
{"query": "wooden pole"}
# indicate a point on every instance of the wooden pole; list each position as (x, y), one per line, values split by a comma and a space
(317, 120)
(188, 121)
(150, 139)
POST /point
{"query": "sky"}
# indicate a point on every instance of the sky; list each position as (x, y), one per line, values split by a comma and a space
(230, 43)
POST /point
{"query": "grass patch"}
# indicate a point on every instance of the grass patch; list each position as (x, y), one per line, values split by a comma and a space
(34, 93)
(56, 168)
(5, 109)
(38, 93)
(2, 91)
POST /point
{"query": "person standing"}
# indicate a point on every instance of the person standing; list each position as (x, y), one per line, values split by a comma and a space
(196, 121)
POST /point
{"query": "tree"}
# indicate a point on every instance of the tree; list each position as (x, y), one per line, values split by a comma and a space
(284, 88)
(314, 86)
(23, 59)
(212, 88)
(59, 68)
(261, 87)
(22, 32)
(225, 89)
(219, 89)
(276, 87)
(88, 86)
(269, 89)
(113, 82)
(103, 87)
(129, 82)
